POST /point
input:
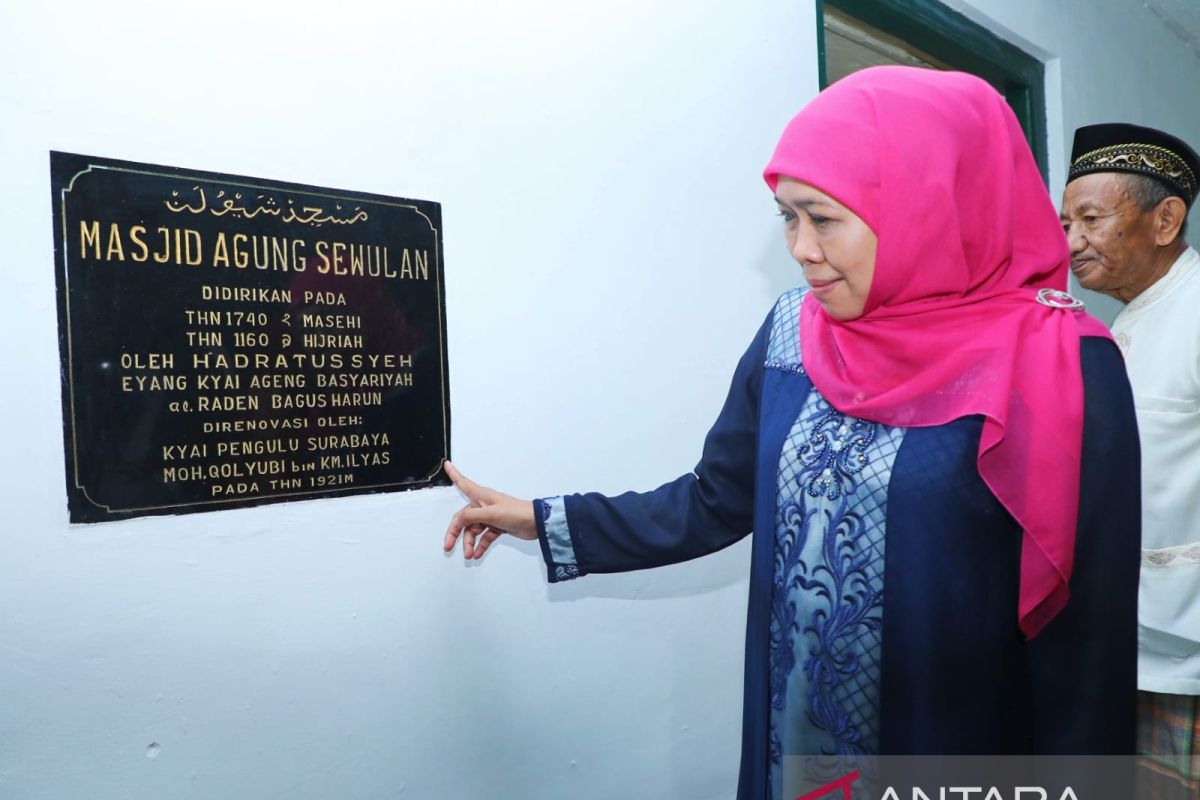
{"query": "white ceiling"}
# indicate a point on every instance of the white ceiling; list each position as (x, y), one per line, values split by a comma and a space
(1182, 17)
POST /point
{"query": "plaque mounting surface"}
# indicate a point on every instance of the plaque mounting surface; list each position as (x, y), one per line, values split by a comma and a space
(229, 341)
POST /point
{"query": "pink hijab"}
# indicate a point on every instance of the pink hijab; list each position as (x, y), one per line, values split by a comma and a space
(937, 165)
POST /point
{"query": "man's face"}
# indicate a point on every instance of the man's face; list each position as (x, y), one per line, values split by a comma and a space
(1112, 241)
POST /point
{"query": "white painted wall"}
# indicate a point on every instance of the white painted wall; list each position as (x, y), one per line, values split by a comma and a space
(610, 250)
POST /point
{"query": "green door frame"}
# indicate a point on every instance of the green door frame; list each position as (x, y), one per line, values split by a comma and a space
(951, 38)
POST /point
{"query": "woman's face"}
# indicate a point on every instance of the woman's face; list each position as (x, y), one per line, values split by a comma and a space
(832, 243)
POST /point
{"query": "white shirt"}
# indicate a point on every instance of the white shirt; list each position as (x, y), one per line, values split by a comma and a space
(1159, 333)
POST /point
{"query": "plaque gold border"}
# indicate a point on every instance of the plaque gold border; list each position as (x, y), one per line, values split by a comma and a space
(182, 176)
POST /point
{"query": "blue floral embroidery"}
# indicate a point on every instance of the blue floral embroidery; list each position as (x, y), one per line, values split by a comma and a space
(850, 597)
(827, 589)
(790, 572)
(835, 452)
(828, 585)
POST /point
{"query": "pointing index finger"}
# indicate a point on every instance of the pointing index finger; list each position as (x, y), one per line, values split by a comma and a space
(461, 482)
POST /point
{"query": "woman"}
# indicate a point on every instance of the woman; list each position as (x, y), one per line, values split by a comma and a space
(935, 448)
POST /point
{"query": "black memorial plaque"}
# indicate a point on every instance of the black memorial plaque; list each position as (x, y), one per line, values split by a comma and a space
(229, 341)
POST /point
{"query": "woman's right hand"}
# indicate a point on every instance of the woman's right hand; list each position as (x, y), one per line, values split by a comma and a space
(486, 516)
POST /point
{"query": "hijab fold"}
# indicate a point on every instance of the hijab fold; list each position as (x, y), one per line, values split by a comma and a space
(938, 167)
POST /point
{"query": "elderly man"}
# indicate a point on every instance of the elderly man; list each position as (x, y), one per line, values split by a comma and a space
(1125, 213)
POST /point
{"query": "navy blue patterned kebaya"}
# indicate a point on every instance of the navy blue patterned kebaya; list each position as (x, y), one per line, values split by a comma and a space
(882, 614)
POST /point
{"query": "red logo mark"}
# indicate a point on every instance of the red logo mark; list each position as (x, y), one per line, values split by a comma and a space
(842, 783)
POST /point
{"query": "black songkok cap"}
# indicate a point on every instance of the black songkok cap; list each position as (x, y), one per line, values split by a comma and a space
(1118, 147)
